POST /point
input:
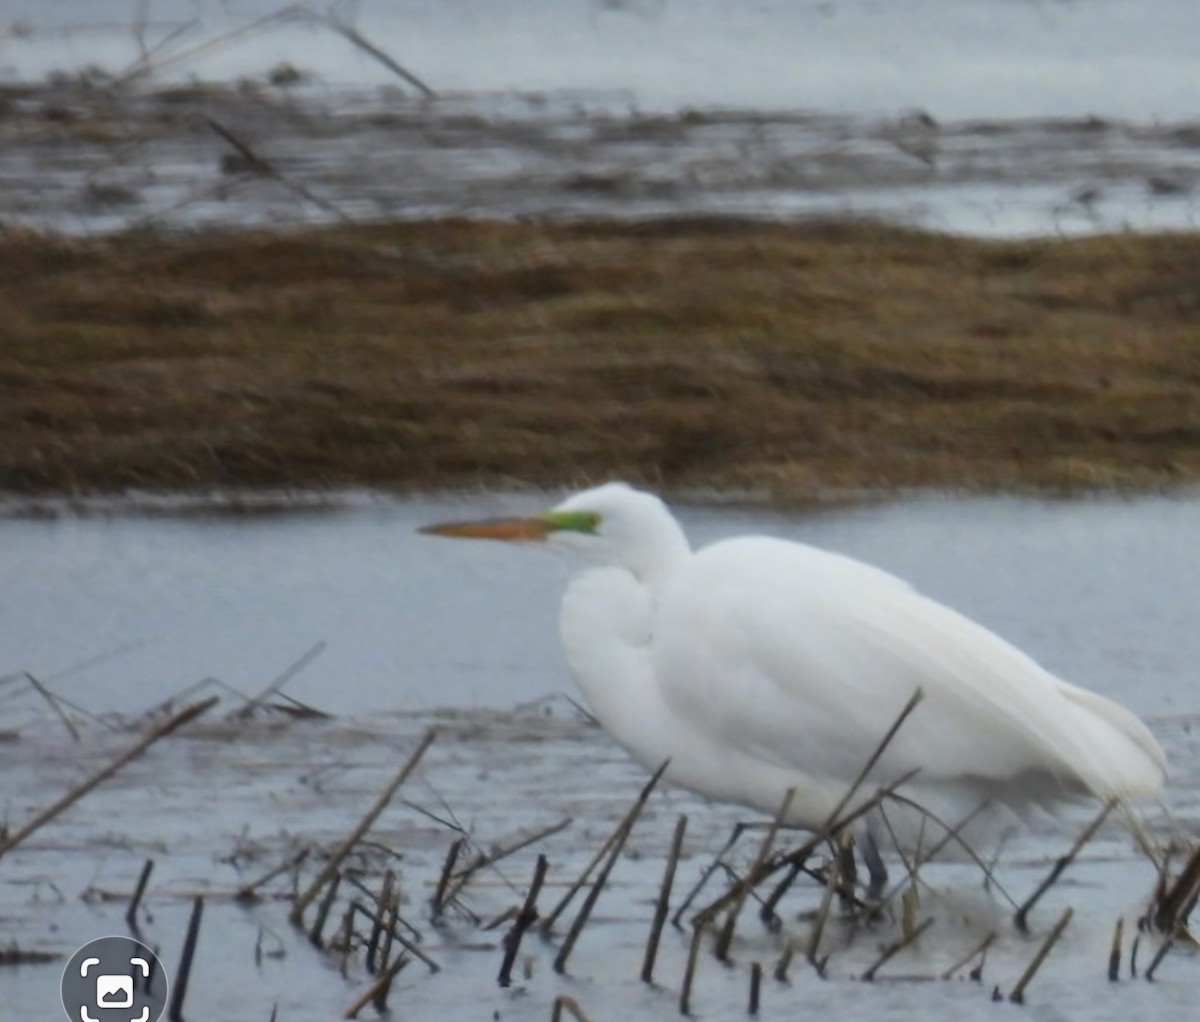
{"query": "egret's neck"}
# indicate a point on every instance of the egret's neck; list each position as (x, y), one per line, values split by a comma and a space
(665, 551)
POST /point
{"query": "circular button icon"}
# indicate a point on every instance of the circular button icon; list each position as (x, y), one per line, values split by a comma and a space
(114, 979)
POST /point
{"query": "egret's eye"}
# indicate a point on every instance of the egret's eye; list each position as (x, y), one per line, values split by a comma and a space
(586, 522)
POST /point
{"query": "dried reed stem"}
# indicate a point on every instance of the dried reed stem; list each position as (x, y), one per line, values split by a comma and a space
(979, 951)
(725, 939)
(182, 974)
(138, 892)
(248, 891)
(46, 815)
(525, 919)
(377, 989)
(1114, 954)
(372, 814)
(1019, 920)
(662, 906)
(894, 949)
(1018, 994)
(564, 1003)
(689, 972)
(589, 902)
(483, 861)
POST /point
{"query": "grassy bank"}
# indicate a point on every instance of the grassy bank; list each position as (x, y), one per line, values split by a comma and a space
(790, 359)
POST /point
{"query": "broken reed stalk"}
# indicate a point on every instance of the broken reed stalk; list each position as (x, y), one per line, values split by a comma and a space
(439, 895)
(767, 913)
(894, 949)
(483, 861)
(801, 855)
(1159, 956)
(755, 988)
(390, 912)
(525, 919)
(1177, 901)
(725, 939)
(138, 892)
(833, 822)
(952, 834)
(832, 883)
(1114, 954)
(1020, 918)
(988, 941)
(353, 36)
(662, 906)
(689, 972)
(785, 961)
(248, 891)
(310, 654)
(318, 926)
(165, 728)
(372, 814)
(1018, 993)
(52, 702)
(182, 974)
(709, 870)
(378, 989)
(385, 924)
(593, 895)
(383, 901)
(264, 168)
(564, 1003)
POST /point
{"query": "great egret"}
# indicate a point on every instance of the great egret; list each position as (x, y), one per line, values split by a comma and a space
(757, 665)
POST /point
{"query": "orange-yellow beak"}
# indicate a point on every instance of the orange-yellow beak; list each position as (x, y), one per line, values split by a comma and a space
(509, 529)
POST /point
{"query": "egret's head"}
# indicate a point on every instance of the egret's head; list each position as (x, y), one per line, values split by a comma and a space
(611, 524)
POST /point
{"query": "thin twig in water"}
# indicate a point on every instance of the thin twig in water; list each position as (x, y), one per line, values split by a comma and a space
(249, 892)
(73, 796)
(751, 879)
(377, 989)
(258, 165)
(306, 658)
(979, 951)
(1114, 954)
(490, 859)
(1175, 903)
(894, 949)
(619, 834)
(1020, 919)
(385, 59)
(138, 892)
(525, 919)
(372, 814)
(589, 902)
(663, 904)
(1018, 994)
(53, 703)
(689, 972)
(182, 974)
(1159, 956)
(564, 1003)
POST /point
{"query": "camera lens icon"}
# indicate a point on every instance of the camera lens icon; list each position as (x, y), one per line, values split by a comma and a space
(114, 979)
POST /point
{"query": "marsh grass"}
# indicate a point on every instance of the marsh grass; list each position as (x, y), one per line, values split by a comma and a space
(789, 360)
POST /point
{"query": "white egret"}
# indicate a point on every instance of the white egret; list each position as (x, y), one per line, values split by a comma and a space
(757, 665)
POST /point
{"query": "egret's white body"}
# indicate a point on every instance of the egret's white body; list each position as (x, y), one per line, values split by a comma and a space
(757, 665)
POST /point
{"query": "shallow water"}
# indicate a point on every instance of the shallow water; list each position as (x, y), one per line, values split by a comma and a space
(982, 59)
(1102, 591)
(993, 117)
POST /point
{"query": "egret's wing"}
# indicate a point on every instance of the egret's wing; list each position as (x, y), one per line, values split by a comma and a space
(804, 659)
